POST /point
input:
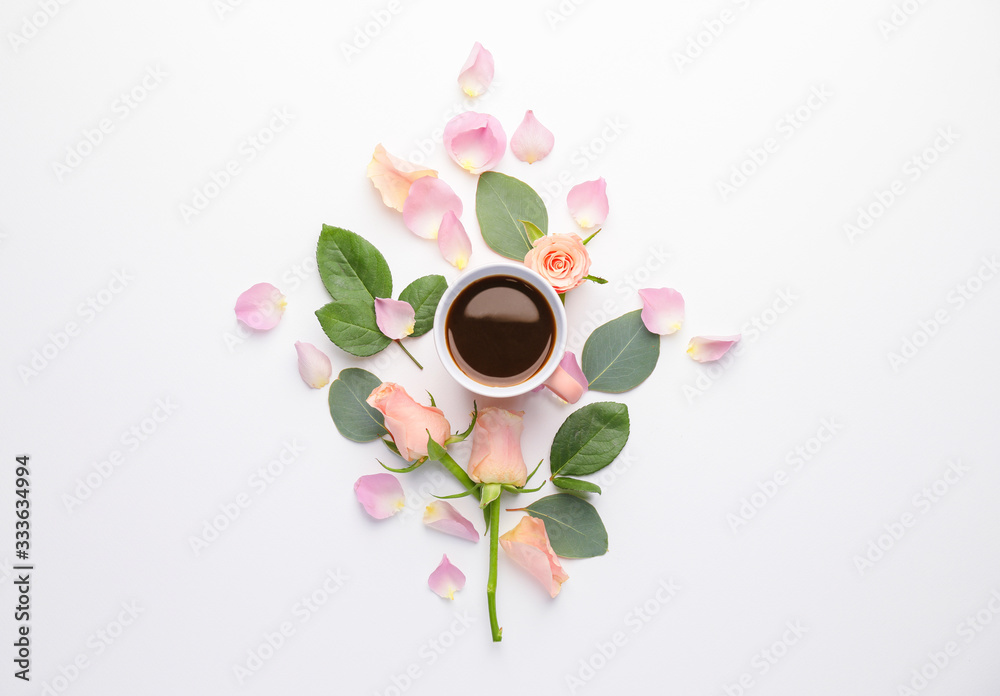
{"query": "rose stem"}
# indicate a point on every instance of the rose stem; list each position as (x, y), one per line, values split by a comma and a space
(400, 343)
(491, 584)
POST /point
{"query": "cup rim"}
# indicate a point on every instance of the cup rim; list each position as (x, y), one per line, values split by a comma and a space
(521, 272)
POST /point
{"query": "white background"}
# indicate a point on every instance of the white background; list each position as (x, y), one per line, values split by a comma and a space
(703, 438)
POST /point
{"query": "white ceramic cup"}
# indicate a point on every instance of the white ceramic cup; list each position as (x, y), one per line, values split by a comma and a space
(550, 374)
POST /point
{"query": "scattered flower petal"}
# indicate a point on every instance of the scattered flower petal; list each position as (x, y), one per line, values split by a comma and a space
(446, 579)
(662, 310)
(442, 516)
(453, 241)
(477, 73)
(314, 366)
(528, 545)
(531, 141)
(261, 307)
(380, 495)
(568, 382)
(475, 141)
(429, 199)
(709, 348)
(393, 176)
(407, 421)
(395, 318)
(496, 447)
(588, 203)
(562, 259)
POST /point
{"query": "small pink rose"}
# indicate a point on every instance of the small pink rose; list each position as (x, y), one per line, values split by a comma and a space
(561, 259)
(496, 447)
(407, 421)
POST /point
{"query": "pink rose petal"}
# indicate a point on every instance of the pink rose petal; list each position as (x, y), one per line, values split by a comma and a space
(588, 203)
(709, 348)
(477, 73)
(314, 366)
(446, 579)
(380, 495)
(476, 142)
(260, 307)
(453, 241)
(442, 516)
(531, 141)
(392, 177)
(528, 545)
(429, 200)
(662, 310)
(395, 318)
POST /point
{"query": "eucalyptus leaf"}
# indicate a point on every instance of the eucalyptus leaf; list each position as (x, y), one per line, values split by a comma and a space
(424, 294)
(573, 526)
(589, 439)
(572, 484)
(351, 267)
(350, 324)
(352, 415)
(501, 203)
(619, 355)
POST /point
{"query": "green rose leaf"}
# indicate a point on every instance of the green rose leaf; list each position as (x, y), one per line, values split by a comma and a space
(423, 294)
(572, 484)
(531, 228)
(501, 203)
(352, 415)
(574, 528)
(619, 355)
(589, 439)
(351, 267)
(350, 324)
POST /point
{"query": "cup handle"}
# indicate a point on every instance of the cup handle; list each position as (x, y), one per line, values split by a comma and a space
(564, 386)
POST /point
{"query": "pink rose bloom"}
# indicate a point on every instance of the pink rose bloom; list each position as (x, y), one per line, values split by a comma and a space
(561, 259)
(407, 421)
(496, 447)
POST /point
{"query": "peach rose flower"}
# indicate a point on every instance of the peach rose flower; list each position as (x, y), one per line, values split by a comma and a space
(496, 448)
(407, 421)
(561, 259)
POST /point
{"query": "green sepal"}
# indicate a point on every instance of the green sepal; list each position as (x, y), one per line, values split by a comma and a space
(458, 437)
(405, 470)
(489, 493)
(533, 472)
(455, 495)
(595, 279)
